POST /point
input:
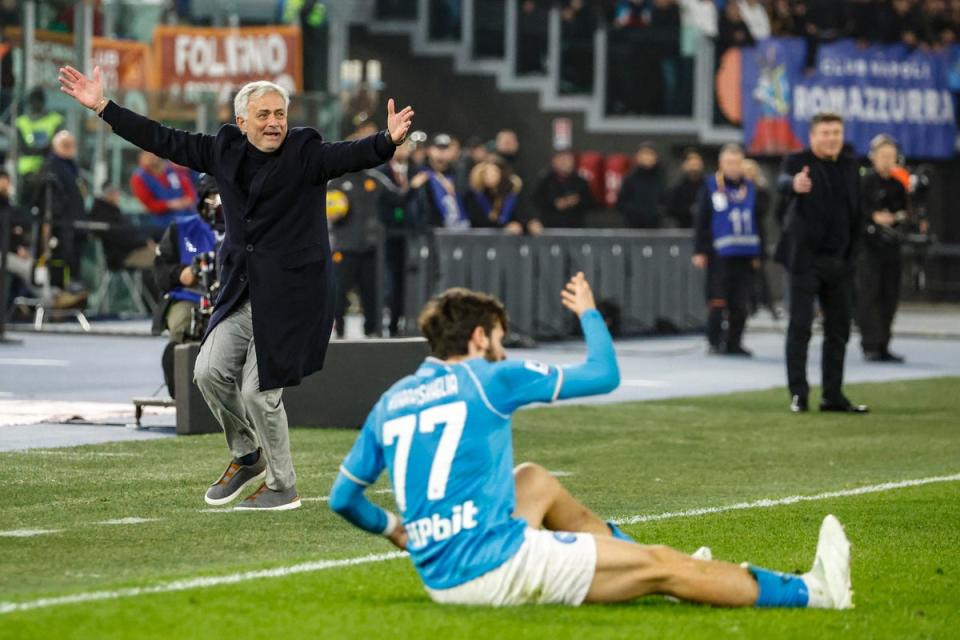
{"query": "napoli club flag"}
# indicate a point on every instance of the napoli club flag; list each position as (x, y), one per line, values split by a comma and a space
(889, 89)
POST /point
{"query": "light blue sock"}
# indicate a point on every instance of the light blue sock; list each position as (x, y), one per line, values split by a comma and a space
(779, 589)
(618, 533)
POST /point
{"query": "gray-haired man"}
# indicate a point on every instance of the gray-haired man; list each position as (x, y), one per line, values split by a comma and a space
(274, 314)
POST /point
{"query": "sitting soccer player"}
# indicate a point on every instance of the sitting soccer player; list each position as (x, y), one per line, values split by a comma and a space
(472, 523)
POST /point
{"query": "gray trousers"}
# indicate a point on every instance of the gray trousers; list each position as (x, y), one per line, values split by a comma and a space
(226, 372)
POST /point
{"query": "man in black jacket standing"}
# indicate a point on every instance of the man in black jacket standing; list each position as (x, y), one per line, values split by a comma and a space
(274, 315)
(820, 232)
(885, 207)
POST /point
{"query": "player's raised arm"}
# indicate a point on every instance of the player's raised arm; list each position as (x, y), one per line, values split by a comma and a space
(194, 150)
(600, 373)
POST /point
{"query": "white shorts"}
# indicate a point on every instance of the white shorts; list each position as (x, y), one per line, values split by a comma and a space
(551, 567)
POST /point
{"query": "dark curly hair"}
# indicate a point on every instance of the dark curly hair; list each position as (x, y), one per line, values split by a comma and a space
(448, 320)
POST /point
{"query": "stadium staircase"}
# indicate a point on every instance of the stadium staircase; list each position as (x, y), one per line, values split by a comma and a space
(547, 86)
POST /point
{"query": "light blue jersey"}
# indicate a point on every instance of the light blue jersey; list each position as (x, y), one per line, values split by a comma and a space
(444, 436)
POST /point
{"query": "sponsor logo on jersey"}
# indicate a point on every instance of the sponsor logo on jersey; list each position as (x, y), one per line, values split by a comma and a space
(437, 528)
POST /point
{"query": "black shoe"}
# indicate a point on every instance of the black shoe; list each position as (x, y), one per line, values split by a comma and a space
(714, 350)
(738, 350)
(845, 406)
(799, 404)
(886, 356)
(872, 356)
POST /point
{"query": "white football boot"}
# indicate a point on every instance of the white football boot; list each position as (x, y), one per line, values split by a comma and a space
(829, 580)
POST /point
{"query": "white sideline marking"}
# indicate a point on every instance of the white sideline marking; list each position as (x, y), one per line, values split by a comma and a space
(74, 454)
(197, 583)
(320, 565)
(27, 533)
(130, 520)
(770, 502)
(14, 412)
(561, 474)
(327, 498)
(646, 384)
(34, 362)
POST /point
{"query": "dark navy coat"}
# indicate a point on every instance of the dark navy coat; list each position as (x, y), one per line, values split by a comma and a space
(276, 244)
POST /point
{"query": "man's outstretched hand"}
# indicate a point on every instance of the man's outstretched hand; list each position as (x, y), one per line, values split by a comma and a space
(398, 124)
(577, 295)
(86, 91)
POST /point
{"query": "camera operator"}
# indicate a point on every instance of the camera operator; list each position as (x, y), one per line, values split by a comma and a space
(885, 212)
(183, 269)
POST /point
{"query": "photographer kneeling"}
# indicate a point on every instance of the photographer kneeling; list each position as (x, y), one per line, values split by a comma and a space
(184, 271)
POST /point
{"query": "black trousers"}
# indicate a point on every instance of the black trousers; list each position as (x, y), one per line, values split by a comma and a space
(357, 269)
(395, 255)
(878, 293)
(729, 285)
(831, 283)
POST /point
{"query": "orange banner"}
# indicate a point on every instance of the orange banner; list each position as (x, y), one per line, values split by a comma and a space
(190, 61)
(124, 64)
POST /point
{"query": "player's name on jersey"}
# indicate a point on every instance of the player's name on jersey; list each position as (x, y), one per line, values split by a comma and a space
(437, 528)
(433, 390)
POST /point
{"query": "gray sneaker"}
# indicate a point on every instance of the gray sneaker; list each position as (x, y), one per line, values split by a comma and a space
(233, 481)
(266, 499)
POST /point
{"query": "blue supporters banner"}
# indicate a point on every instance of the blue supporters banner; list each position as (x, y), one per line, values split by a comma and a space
(891, 89)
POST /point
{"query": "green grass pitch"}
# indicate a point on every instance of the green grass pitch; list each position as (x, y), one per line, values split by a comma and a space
(623, 460)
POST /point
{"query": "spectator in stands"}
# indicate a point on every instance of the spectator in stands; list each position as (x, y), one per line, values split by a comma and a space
(561, 196)
(954, 12)
(444, 19)
(699, 17)
(665, 41)
(682, 199)
(507, 146)
(492, 198)
(788, 17)
(165, 189)
(18, 262)
(398, 222)
(476, 152)
(436, 199)
(354, 237)
(732, 30)
(631, 13)
(35, 131)
(827, 20)
(418, 152)
(61, 203)
(762, 293)
(578, 22)
(907, 24)
(937, 26)
(642, 192)
(26, 279)
(754, 14)
(124, 245)
(532, 42)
